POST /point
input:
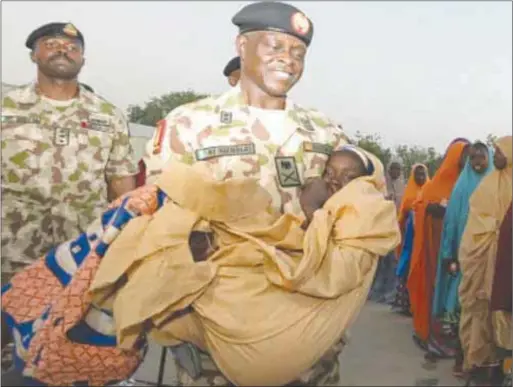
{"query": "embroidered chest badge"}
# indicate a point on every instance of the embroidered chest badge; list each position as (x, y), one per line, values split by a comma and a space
(226, 117)
(288, 174)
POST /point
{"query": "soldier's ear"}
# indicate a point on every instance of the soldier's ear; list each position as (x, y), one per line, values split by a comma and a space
(240, 45)
(33, 56)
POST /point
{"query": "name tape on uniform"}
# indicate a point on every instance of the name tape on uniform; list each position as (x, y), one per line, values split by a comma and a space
(225, 150)
(288, 173)
(99, 122)
(19, 120)
(317, 147)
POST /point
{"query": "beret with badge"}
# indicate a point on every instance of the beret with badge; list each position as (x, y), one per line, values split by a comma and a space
(274, 16)
(233, 65)
(54, 29)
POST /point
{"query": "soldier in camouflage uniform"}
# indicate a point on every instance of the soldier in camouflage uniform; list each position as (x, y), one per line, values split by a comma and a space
(65, 152)
(255, 131)
(232, 71)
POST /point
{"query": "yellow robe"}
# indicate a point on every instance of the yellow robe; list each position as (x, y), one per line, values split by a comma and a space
(272, 299)
(478, 250)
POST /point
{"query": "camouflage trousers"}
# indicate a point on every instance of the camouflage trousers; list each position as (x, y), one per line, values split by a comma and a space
(29, 230)
(326, 372)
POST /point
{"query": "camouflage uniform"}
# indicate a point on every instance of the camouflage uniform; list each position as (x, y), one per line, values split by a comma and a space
(222, 131)
(55, 161)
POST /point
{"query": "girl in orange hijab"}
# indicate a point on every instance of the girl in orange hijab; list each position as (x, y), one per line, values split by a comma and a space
(429, 210)
(418, 177)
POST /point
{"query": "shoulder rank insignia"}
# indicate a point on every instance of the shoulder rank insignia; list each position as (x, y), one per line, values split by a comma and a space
(307, 125)
(316, 147)
(61, 136)
(226, 117)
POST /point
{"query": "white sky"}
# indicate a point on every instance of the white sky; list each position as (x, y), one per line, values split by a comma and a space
(414, 72)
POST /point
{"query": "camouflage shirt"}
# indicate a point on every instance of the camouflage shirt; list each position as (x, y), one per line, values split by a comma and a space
(55, 162)
(223, 132)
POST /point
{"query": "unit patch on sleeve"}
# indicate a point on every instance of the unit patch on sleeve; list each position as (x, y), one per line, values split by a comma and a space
(288, 173)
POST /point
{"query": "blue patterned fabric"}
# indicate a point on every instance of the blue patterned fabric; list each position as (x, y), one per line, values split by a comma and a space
(63, 261)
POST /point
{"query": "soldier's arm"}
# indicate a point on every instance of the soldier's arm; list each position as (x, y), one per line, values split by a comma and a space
(168, 143)
(121, 167)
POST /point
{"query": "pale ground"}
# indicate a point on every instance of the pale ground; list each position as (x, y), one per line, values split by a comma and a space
(380, 353)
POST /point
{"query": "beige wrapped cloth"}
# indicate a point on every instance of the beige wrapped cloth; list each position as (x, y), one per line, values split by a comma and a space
(273, 298)
(489, 203)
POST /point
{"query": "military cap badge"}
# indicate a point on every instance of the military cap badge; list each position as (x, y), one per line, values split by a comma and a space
(70, 30)
(300, 23)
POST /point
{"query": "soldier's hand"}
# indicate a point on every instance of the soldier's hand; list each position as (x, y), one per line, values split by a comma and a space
(313, 196)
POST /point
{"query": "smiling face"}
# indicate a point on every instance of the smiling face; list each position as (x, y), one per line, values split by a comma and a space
(478, 158)
(341, 168)
(58, 57)
(271, 61)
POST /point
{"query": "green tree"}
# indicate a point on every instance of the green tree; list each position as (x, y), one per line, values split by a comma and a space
(491, 139)
(158, 108)
(372, 143)
(414, 154)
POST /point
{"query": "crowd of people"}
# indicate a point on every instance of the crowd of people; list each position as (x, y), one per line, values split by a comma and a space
(252, 229)
(453, 266)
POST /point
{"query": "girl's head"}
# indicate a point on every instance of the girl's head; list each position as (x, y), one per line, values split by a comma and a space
(419, 175)
(478, 157)
(344, 165)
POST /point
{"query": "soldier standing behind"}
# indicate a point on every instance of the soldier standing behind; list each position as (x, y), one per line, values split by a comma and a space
(254, 130)
(232, 71)
(65, 151)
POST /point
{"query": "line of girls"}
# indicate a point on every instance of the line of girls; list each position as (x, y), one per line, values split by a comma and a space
(454, 266)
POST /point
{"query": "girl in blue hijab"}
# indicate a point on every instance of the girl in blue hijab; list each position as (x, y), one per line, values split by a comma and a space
(445, 308)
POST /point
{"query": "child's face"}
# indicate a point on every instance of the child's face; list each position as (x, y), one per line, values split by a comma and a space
(419, 175)
(340, 170)
(478, 159)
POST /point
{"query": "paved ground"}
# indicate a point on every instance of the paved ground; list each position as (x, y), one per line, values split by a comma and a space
(380, 353)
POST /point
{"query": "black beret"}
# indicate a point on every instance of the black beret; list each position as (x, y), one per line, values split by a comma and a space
(274, 16)
(54, 29)
(233, 65)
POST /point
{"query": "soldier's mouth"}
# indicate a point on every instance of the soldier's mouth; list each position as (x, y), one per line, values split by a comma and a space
(61, 58)
(283, 75)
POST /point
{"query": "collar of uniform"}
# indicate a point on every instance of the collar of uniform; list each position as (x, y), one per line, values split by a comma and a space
(233, 98)
(31, 94)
